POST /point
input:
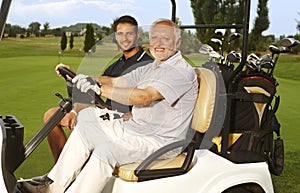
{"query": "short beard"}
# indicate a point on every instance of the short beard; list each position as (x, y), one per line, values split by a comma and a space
(135, 44)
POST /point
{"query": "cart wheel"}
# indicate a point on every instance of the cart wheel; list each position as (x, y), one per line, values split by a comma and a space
(245, 188)
(237, 190)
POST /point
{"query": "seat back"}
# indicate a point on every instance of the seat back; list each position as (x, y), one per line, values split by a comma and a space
(205, 104)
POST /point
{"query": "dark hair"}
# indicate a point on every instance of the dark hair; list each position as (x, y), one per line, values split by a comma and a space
(125, 19)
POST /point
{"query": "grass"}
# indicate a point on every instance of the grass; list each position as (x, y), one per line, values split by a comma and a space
(28, 84)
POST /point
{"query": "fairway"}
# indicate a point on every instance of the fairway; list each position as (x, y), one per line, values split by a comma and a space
(28, 85)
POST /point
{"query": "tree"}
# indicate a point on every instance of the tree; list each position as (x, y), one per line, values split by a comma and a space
(196, 6)
(71, 41)
(239, 18)
(89, 40)
(209, 11)
(56, 32)
(190, 44)
(107, 30)
(13, 30)
(45, 31)
(216, 12)
(34, 28)
(298, 24)
(261, 23)
(63, 41)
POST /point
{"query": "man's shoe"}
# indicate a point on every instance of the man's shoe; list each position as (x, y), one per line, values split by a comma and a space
(41, 180)
(33, 188)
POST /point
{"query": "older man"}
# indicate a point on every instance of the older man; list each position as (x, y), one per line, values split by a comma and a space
(163, 96)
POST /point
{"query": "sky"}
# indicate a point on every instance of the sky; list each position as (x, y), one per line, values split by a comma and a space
(283, 15)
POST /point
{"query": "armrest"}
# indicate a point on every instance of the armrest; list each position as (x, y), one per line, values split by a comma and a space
(143, 173)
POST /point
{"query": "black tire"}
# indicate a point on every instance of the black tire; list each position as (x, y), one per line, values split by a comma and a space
(237, 190)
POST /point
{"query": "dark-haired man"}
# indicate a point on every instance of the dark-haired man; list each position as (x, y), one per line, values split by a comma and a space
(126, 35)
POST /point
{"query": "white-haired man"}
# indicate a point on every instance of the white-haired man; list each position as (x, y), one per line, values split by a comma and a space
(163, 95)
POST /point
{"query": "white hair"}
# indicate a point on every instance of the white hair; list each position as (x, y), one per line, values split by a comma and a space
(177, 31)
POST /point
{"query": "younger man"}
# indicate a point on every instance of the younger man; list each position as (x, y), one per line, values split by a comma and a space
(126, 35)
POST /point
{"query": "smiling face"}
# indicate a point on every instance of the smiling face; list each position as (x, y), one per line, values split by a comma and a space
(126, 36)
(163, 41)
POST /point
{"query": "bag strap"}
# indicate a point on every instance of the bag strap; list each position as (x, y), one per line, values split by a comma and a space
(276, 104)
(253, 97)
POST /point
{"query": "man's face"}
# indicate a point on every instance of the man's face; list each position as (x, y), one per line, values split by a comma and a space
(126, 36)
(162, 42)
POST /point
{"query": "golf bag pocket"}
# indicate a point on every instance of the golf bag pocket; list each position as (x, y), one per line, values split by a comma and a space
(275, 155)
(276, 158)
(251, 141)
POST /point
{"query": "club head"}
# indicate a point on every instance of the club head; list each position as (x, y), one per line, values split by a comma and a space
(233, 57)
(280, 49)
(205, 49)
(251, 65)
(234, 36)
(267, 65)
(216, 41)
(266, 61)
(252, 62)
(274, 49)
(253, 57)
(289, 42)
(284, 49)
(266, 58)
(208, 50)
(214, 54)
(220, 32)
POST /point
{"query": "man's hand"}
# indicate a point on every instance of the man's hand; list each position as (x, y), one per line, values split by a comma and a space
(69, 121)
(85, 83)
(127, 116)
(63, 65)
(58, 72)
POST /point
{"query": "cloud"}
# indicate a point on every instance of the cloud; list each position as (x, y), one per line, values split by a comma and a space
(65, 10)
(58, 7)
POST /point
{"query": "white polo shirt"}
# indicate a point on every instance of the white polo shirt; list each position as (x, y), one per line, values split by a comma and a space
(177, 82)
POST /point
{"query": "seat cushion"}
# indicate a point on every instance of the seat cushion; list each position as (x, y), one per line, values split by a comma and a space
(126, 171)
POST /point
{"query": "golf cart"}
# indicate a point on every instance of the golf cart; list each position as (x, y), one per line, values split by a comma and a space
(208, 162)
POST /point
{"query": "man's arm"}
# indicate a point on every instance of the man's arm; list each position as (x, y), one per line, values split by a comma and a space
(79, 106)
(131, 96)
(112, 81)
(117, 89)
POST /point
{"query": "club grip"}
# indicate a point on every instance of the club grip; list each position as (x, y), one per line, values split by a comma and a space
(65, 71)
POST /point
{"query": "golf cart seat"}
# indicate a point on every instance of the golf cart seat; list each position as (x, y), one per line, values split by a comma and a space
(153, 167)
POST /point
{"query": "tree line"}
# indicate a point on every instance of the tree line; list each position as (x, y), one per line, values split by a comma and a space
(33, 29)
(204, 11)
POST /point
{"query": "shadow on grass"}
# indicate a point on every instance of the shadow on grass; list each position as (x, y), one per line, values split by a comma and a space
(289, 181)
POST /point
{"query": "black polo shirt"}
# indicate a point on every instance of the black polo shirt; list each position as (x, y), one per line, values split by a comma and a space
(123, 66)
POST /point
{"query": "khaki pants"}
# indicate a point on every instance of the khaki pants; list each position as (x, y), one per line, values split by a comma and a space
(92, 151)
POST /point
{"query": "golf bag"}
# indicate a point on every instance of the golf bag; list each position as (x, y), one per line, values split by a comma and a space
(254, 117)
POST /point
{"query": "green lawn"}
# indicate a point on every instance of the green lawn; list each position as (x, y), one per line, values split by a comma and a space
(28, 84)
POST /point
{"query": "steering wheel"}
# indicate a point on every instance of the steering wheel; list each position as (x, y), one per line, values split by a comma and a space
(65, 72)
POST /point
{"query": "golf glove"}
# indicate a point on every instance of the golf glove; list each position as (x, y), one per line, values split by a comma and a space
(85, 83)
